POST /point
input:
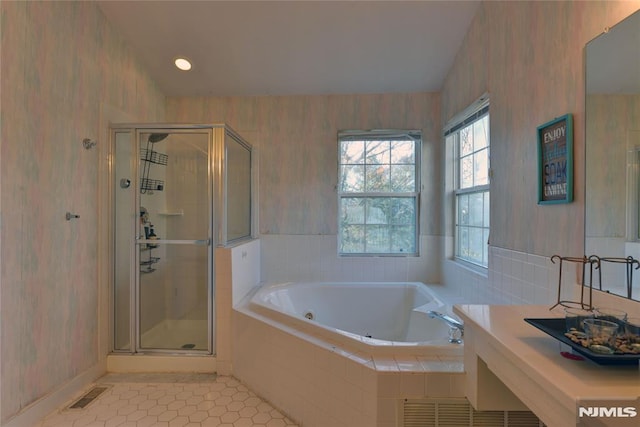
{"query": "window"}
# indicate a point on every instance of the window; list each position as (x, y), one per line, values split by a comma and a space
(378, 192)
(470, 140)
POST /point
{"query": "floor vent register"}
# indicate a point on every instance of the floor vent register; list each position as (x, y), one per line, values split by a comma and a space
(89, 397)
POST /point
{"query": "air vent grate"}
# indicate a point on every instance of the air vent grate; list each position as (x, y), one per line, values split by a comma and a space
(453, 414)
(89, 397)
(522, 419)
(488, 418)
(419, 414)
(459, 413)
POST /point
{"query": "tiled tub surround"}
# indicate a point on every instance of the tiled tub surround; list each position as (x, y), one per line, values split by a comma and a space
(322, 378)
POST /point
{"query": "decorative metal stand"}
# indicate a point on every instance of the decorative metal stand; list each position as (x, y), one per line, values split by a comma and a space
(593, 262)
(628, 262)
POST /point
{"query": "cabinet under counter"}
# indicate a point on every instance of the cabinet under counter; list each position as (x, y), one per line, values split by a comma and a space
(512, 365)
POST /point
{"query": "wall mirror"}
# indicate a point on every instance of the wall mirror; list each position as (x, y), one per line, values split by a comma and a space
(612, 155)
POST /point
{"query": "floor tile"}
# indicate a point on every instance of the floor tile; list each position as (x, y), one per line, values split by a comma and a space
(170, 400)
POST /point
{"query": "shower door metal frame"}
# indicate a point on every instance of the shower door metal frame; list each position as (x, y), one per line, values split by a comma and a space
(213, 182)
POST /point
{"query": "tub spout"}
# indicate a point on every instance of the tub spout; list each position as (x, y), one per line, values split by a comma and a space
(456, 331)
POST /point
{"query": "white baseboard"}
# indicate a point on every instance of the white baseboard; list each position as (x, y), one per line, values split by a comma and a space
(44, 406)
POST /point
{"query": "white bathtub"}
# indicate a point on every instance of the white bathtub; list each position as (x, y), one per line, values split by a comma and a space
(325, 371)
(377, 318)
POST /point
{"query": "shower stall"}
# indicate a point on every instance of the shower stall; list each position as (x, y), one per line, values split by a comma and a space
(178, 191)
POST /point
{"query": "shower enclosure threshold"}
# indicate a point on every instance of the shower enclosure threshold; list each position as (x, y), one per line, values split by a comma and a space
(194, 363)
(177, 334)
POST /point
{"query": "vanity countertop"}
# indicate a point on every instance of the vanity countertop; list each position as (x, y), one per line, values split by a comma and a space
(529, 362)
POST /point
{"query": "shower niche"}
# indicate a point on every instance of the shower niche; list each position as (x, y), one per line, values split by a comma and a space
(193, 193)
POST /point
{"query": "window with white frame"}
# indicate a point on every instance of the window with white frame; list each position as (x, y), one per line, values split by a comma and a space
(470, 140)
(378, 192)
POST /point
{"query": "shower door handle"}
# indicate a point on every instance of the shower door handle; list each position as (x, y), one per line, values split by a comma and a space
(202, 242)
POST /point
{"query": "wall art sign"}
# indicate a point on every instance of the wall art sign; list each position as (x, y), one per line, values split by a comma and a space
(555, 161)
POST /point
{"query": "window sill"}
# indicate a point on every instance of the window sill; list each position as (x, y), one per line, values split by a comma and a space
(474, 268)
(406, 255)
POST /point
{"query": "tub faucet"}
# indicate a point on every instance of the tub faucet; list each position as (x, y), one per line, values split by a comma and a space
(456, 329)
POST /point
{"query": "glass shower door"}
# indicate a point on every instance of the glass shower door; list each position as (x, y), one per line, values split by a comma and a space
(174, 241)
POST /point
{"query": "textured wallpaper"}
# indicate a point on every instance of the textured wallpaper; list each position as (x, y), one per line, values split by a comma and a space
(60, 63)
(529, 57)
(296, 141)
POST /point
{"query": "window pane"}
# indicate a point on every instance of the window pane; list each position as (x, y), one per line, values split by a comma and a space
(476, 244)
(481, 167)
(476, 209)
(378, 152)
(378, 211)
(352, 179)
(403, 178)
(378, 178)
(463, 242)
(486, 209)
(403, 152)
(403, 211)
(466, 141)
(481, 133)
(352, 239)
(472, 156)
(378, 221)
(402, 240)
(352, 152)
(466, 172)
(378, 239)
(352, 211)
(463, 210)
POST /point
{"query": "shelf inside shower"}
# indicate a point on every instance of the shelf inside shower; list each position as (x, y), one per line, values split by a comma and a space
(151, 184)
(153, 156)
(149, 157)
(172, 213)
(146, 266)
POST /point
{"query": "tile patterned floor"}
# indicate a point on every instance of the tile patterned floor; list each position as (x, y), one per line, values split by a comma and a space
(170, 400)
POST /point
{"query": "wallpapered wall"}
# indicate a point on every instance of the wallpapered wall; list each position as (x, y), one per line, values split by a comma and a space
(61, 64)
(296, 141)
(529, 57)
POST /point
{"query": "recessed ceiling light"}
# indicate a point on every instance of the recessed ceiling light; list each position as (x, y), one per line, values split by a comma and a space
(183, 64)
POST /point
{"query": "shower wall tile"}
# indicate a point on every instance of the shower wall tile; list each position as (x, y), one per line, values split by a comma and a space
(61, 63)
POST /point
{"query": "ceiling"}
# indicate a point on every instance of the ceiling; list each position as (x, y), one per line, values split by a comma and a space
(247, 48)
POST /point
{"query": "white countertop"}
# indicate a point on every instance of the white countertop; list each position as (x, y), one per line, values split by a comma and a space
(528, 361)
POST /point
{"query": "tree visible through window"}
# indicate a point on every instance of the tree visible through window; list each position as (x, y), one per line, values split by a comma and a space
(378, 192)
